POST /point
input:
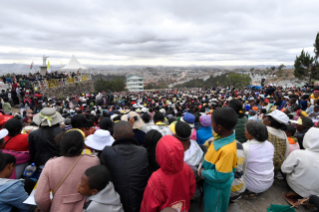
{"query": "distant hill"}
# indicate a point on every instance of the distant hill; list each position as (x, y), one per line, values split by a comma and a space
(107, 77)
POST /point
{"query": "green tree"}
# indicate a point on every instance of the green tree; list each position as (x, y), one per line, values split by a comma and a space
(238, 81)
(306, 66)
(112, 85)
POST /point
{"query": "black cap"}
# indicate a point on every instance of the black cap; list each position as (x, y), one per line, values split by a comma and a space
(183, 131)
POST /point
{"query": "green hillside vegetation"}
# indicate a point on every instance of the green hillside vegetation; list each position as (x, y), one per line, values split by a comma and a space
(237, 80)
(113, 85)
(107, 77)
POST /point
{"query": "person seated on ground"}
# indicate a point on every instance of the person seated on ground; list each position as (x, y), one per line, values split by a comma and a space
(54, 175)
(303, 124)
(293, 142)
(205, 132)
(173, 185)
(80, 122)
(151, 139)
(129, 171)
(12, 192)
(160, 126)
(236, 105)
(276, 123)
(100, 195)
(6, 106)
(252, 115)
(42, 143)
(238, 185)
(220, 161)
(259, 154)
(301, 167)
(314, 113)
(136, 121)
(15, 141)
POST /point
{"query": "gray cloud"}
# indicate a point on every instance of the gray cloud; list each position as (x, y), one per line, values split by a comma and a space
(158, 32)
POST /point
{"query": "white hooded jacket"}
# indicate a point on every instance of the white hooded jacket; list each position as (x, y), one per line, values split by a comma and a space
(194, 154)
(302, 166)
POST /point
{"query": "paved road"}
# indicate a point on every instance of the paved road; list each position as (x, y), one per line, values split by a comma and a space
(260, 204)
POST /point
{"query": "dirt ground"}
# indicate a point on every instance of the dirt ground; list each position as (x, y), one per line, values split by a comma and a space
(261, 203)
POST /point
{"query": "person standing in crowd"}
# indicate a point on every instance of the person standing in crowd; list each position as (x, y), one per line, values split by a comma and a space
(173, 185)
(129, 171)
(42, 143)
(276, 123)
(6, 106)
(220, 161)
(61, 175)
(190, 120)
(259, 154)
(242, 119)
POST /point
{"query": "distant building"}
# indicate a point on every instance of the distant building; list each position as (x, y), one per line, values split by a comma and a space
(135, 83)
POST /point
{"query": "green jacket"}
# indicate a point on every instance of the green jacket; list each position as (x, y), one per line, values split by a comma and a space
(240, 129)
(6, 107)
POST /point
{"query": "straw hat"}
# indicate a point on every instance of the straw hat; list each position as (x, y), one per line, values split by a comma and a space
(48, 117)
(138, 122)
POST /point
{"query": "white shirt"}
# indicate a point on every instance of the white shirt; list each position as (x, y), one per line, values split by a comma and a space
(194, 154)
(259, 172)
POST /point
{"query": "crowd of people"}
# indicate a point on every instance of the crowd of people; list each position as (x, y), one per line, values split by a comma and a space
(158, 151)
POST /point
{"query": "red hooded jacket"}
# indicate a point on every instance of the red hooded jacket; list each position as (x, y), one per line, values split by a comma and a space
(173, 185)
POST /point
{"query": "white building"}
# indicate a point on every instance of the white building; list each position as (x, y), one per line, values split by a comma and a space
(135, 83)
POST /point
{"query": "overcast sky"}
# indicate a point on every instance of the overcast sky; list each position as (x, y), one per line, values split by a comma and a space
(157, 32)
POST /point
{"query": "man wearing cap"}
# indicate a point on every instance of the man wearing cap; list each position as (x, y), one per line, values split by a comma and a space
(205, 132)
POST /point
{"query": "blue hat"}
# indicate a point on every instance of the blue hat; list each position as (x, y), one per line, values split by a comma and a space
(189, 119)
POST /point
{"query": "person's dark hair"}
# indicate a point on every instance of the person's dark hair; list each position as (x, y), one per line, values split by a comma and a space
(6, 99)
(257, 130)
(146, 117)
(237, 106)
(150, 141)
(277, 125)
(123, 129)
(99, 176)
(6, 159)
(226, 117)
(14, 126)
(79, 121)
(291, 129)
(158, 117)
(106, 124)
(72, 143)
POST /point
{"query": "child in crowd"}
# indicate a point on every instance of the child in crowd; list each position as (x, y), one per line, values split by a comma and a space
(12, 192)
(219, 163)
(101, 196)
(315, 113)
(293, 142)
(173, 184)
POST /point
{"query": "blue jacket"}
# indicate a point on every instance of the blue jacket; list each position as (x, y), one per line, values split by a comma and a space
(203, 134)
(12, 194)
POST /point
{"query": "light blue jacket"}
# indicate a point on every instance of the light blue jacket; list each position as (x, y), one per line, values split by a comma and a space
(12, 194)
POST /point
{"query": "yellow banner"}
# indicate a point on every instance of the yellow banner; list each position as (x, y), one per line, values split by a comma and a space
(84, 77)
(52, 83)
(70, 80)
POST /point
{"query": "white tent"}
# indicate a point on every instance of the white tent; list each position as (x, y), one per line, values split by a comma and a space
(74, 64)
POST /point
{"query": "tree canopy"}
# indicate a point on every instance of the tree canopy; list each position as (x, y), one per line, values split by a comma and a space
(112, 85)
(307, 66)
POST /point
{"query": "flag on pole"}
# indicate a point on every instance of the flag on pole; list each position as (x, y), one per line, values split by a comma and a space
(48, 67)
(31, 65)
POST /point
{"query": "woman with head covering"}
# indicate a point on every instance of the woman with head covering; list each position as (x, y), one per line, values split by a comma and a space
(276, 123)
(80, 122)
(61, 175)
(150, 142)
(15, 140)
